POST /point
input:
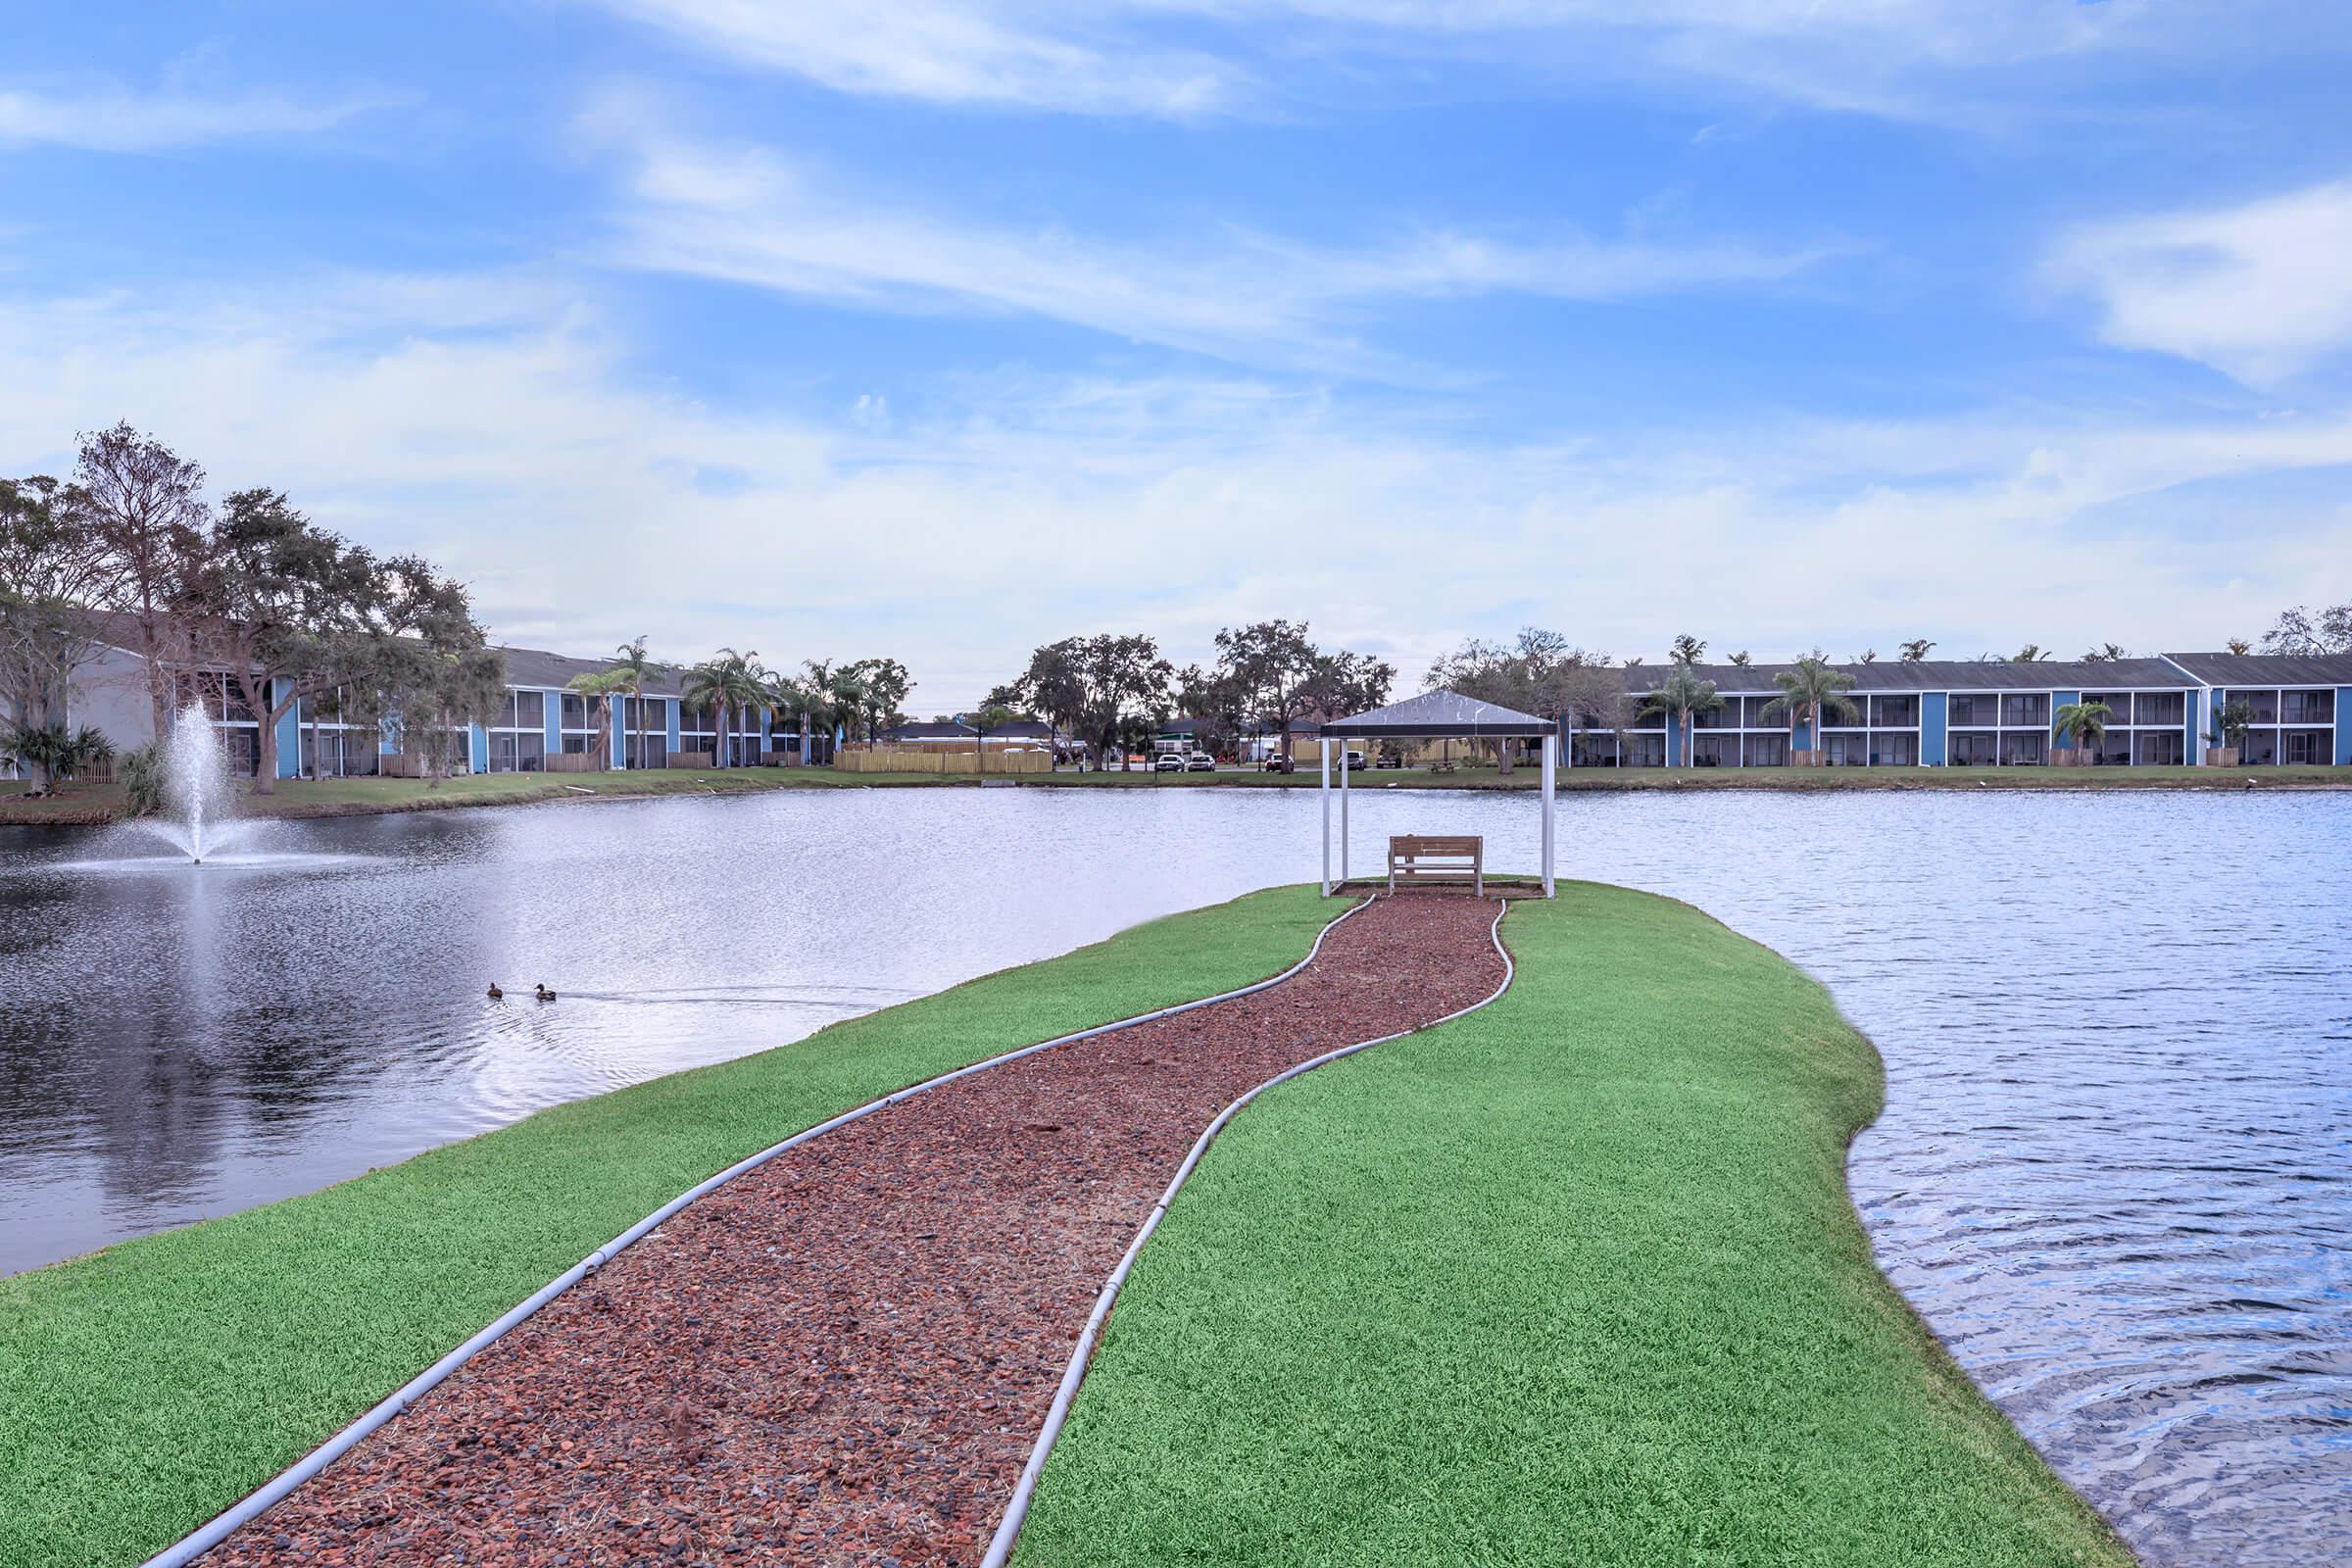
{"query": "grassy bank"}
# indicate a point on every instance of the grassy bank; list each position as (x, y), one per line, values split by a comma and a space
(147, 1387)
(355, 797)
(1573, 1280)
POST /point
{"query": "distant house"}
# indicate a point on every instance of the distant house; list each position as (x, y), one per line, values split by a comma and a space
(1019, 732)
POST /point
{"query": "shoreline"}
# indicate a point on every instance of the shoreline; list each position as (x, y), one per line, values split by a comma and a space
(303, 800)
(159, 1380)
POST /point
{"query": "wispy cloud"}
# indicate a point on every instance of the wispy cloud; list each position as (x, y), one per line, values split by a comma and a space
(948, 51)
(2260, 291)
(1951, 61)
(496, 424)
(109, 118)
(750, 216)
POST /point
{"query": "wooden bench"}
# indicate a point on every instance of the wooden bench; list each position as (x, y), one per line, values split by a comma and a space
(1430, 857)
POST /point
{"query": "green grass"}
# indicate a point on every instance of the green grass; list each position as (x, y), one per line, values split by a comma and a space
(145, 1387)
(1574, 1280)
(344, 796)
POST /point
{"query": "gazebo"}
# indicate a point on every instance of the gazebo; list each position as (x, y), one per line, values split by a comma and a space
(1435, 715)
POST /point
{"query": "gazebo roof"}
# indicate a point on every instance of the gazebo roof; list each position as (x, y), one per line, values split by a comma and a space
(1440, 713)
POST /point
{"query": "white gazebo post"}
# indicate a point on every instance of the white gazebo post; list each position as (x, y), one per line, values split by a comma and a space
(1552, 747)
(1343, 813)
(1324, 747)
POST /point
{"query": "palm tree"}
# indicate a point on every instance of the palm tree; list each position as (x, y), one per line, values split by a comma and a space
(797, 703)
(1808, 692)
(640, 668)
(726, 682)
(600, 687)
(2083, 723)
(1680, 696)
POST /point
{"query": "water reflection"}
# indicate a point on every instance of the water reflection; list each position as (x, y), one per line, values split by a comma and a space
(2111, 1175)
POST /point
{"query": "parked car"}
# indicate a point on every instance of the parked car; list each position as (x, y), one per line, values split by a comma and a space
(1200, 763)
(1356, 760)
(1276, 762)
(1168, 762)
(1389, 760)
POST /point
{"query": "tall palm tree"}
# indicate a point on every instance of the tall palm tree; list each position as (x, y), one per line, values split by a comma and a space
(793, 702)
(600, 687)
(2081, 723)
(845, 693)
(726, 682)
(1808, 692)
(1682, 696)
(641, 669)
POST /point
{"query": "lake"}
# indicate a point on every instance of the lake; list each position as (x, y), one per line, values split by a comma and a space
(2113, 1173)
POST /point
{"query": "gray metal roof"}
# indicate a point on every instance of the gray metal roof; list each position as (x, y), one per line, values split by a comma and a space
(1889, 675)
(1440, 713)
(533, 667)
(2268, 670)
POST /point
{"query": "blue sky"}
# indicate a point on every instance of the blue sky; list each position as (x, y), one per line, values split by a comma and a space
(946, 327)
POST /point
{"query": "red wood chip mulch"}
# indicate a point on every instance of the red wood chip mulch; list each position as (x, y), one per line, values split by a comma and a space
(846, 1355)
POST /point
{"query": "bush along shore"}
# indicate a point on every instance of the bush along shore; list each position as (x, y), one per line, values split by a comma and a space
(90, 805)
(1574, 1279)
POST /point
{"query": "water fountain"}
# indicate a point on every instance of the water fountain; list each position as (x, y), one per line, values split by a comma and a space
(197, 792)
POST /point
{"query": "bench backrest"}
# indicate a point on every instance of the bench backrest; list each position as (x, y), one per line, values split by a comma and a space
(1420, 844)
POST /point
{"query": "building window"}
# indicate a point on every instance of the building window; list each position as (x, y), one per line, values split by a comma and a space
(1588, 749)
(2305, 747)
(2022, 750)
(1715, 751)
(1844, 750)
(2117, 704)
(2264, 704)
(2307, 708)
(1644, 750)
(2025, 711)
(1894, 750)
(2162, 749)
(531, 710)
(1974, 749)
(2160, 707)
(1972, 709)
(1765, 751)
(1894, 713)
(1753, 712)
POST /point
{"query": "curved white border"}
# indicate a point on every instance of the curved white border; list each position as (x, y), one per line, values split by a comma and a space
(1016, 1512)
(274, 1490)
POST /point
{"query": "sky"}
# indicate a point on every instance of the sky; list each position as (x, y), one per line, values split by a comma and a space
(943, 329)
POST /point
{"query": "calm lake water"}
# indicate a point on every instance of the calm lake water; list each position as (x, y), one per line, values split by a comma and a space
(2113, 1172)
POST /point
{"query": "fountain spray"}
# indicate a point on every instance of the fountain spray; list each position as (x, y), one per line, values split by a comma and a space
(196, 782)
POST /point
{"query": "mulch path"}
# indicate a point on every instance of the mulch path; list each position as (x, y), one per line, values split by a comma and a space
(846, 1355)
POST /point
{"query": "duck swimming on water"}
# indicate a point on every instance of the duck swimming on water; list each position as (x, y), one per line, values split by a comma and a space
(495, 993)
(544, 995)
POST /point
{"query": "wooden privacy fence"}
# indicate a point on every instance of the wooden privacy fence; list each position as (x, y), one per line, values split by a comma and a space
(942, 760)
(575, 763)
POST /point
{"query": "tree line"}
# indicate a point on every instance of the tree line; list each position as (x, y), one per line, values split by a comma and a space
(249, 603)
(1113, 692)
(252, 606)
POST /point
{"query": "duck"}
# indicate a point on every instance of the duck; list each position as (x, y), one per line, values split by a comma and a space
(495, 993)
(543, 994)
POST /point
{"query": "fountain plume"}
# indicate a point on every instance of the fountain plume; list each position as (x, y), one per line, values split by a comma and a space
(197, 790)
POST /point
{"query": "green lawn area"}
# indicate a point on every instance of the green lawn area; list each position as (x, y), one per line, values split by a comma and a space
(1574, 1280)
(145, 1387)
(337, 797)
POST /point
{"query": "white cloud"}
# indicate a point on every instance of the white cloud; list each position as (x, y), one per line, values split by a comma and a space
(946, 52)
(112, 119)
(748, 216)
(492, 423)
(1958, 60)
(2260, 291)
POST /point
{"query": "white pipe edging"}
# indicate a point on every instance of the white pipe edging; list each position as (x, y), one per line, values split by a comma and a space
(1016, 1512)
(274, 1490)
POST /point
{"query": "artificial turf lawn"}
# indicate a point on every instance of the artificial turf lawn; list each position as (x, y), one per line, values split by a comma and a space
(145, 1387)
(1573, 1280)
